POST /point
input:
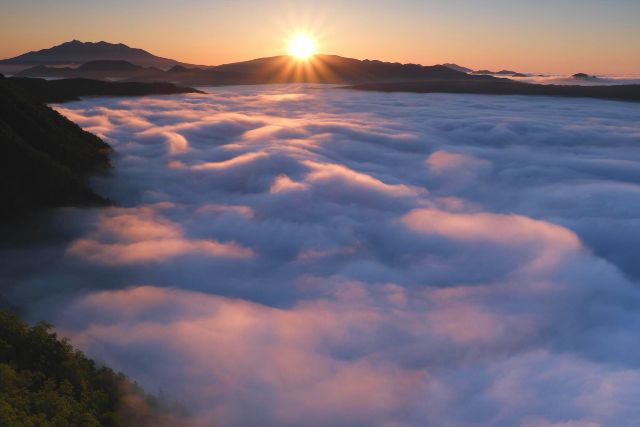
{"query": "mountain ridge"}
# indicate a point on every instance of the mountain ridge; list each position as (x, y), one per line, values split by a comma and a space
(629, 93)
(322, 68)
(70, 60)
(102, 69)
(76, 52)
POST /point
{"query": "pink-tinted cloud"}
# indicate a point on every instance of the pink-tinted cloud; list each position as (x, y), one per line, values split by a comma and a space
(330, 172)
(132, 236)
(551, 243)
(283, 183)
(350, 258)
(444, 162)
(241, 159)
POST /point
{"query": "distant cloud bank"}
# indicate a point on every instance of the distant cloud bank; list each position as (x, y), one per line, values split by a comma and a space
(312, 256)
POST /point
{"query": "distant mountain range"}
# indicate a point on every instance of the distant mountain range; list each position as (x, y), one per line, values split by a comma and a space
(76, 53)
(107, 61)
(506, 87)
(100, 69)
(321, 69)
(505, 73)
(103, 60)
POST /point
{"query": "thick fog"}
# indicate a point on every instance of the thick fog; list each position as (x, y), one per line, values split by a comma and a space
(300, 255)
(590, 80)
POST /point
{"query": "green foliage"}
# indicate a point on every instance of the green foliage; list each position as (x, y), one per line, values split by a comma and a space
(44, 381)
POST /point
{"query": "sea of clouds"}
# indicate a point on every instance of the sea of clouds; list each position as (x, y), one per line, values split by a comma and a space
(594, 80)
(305, 255)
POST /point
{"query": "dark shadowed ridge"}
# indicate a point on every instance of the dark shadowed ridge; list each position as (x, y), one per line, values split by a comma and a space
(101, 69)
(498, 73)
(336, 69)
(507, 87)
(45, 158)
(124, 63)
(72, 89)
(329, 69)
(107, 61)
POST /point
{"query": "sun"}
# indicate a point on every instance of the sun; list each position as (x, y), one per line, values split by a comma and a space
(302, 46)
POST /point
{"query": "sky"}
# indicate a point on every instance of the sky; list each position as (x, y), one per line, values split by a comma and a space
(562, 36)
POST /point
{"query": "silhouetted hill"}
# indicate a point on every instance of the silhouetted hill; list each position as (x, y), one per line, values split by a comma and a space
(109, 65)
(458, 68)
(499, 73)
(330, 69)
(72, 89)
(333, 69)
(584, 76)
(278, 69)
(178, 69)
(102, 69)
(76, 52)
(44, 158)
(507, 87)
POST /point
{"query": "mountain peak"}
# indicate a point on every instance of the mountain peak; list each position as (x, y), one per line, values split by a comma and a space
(76, 52)
(458, 67)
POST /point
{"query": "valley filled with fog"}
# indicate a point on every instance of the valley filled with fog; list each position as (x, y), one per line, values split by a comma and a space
(308, 255)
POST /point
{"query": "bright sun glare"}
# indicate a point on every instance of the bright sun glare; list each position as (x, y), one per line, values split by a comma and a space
(302, 46)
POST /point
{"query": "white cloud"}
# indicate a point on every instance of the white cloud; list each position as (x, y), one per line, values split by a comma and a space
(296, 255)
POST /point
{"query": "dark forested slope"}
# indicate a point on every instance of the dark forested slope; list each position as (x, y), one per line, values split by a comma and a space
(72, 89)
(44, 158)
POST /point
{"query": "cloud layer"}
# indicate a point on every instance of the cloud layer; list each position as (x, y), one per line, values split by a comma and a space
(297, 255)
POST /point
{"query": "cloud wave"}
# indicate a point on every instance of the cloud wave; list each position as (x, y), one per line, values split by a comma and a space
(304, 255)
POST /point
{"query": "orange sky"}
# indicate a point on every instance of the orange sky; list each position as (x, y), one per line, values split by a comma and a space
(563, 36)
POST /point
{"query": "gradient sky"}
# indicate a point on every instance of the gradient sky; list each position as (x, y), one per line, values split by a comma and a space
(565, 36)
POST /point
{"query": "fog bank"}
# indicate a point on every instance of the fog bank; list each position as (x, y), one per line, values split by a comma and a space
(301, 255)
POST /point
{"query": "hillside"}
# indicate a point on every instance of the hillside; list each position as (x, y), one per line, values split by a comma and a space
(44, 381)
(44, 158)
